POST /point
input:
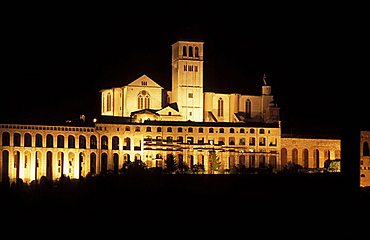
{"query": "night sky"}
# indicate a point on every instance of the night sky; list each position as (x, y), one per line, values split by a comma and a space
(57, 60)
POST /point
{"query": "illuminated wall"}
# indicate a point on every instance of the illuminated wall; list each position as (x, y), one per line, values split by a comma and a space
(309, 152)
(365, 158)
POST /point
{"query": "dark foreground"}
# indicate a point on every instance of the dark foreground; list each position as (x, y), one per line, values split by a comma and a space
(267, 201)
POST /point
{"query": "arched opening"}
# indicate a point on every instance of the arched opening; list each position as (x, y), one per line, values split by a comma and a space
(252, 161)
(60, 141)
(190, 51)
(284, 157)
(191, 161)
(305, 158)
(17, 140)
(242, 160)
(81, 166)
(104, 163)
(71, 141)
(127, 144)
(317, 158)
(272, 161)
(184, 52)
(5, 166)
(61, 163)
(49, 165)
(115, 143)
(93, 163)
(115, 163)
(38, 140)
(49, 141)
(5, 139)
(231, 161)
(137, 157)
(93, 142)
(38, 171)
(295, 156)
(17, 158)
(262, 161)
(27, 140)
(196, 52)
(104, 142)
(27, 166)
(71, 162)
(82, 142)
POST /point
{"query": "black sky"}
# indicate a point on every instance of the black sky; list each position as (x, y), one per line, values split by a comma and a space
(55, 61)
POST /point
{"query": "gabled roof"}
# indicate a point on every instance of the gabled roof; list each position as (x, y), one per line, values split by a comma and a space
(142, 111)
(169, 108)
(149, 82)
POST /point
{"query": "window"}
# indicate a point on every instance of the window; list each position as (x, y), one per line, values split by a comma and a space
(185, 68)
(169, 129)
(196, 51)
(38, 140)
(143, 100)
(262, 131)
(220, 111)
(144, 83)
(179, 129)
(6, 139)
(71, 141)
(190, 95)
(17, 140)
(365, 149)
(190, 51)
(211, 130)
(93, 142)
(109, 102)
(184, 53)
(200, 130)
(82, 142)
(190, 113)
(27, 140)
(190, 129)
(196, 68)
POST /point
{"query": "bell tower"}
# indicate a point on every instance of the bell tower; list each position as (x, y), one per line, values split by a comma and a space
(187, 79)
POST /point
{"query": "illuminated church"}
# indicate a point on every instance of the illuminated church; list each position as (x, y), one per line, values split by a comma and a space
(143, 121)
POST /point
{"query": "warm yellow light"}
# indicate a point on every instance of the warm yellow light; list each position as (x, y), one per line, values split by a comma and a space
(94, 120)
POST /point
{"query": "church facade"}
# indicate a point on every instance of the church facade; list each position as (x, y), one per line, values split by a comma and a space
(143, 121)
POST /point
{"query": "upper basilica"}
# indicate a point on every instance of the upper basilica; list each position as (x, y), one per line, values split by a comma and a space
(144, 99)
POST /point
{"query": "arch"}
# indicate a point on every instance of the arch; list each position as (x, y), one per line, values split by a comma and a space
(242, 160)
(49, 141)
(196, 52)
(272, 161)
(184, 52)
(5, 166)
(60, 157)
(71, 141)
(93, 163)
(365, 149)
(127, 144)
(137, 157)
(17, 158)
(327, 154)
(191, 161)
(38, 142)
(109, 102)
(82, 142)
(26, 165)
(126, 157)
(38, 161)
(49, 165)
(5, 140)
(93, 142)
(317, 158)
(210, 130)
(232, 130)
(17, 140)
(231, 161)
(180, 159)
(27, 140)
(220, 109)
(190, 51)
(305, 158)
(60, 141)
(81, 165)
(71, 162)
(284, 156)
(200, 159)
(104, 142)
(143, 100)
(262, 161)
(248, 108)
(252, 161)
(104, 163)
(295, 155)
(115, 163)
(115, 143)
